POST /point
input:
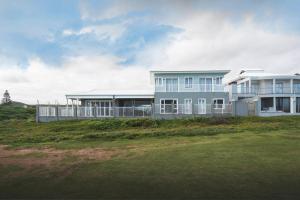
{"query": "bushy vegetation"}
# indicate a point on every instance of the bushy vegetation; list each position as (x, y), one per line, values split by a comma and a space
(15, 110)
(24, 132)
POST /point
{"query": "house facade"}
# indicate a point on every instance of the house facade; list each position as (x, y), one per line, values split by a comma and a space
(187, 94)
(255, 92)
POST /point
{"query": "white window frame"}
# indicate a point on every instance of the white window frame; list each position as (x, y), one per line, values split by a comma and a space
(171, 77)
(213, 104)
(188, 84)
(220, 79)
(160, 81)
(185, 110)
(205, 83)
(204, 105)
(163, 106)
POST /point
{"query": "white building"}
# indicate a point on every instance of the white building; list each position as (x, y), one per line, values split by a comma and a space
(265, 94)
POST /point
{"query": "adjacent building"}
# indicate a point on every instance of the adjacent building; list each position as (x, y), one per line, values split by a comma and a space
(255, 92)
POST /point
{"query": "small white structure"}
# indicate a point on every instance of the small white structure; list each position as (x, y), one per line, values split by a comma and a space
(6, 98)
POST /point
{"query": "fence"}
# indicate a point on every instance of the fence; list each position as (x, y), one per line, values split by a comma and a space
(54, 112)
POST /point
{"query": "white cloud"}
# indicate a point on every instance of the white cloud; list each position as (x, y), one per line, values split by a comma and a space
(211, 41)
(101, 32)
(81, 74)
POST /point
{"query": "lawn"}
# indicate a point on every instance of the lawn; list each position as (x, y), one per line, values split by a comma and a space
(198, 158)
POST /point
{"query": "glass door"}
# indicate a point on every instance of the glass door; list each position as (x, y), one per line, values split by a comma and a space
(188, 106)
(202, 106)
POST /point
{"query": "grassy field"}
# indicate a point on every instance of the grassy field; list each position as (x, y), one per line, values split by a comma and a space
(199, 158)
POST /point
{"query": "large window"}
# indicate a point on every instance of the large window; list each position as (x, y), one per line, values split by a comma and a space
(188, 82)
(168, 106)
(267, 103)
(205, 84)
(171, 84)
(218, 103)
(283, 104)
(298, 105)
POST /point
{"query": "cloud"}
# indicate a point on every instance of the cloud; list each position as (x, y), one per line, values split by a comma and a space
(111, 32)
(212, 41)
(77, 74)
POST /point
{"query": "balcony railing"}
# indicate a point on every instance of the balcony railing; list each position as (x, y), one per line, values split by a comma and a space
(189, 88)
(192, 109)
(268, 90)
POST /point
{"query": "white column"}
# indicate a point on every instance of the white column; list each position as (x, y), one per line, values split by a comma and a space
(250, 87)
(274, 86)
(274, 103)
(292, 104)
(291, 85)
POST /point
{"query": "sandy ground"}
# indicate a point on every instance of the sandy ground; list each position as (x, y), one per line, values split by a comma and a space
(29, 158)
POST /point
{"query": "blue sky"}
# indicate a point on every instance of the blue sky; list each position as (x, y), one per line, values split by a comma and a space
(132, 34)
(34, 28)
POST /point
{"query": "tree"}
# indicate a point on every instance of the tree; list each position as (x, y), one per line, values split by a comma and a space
(6, 97)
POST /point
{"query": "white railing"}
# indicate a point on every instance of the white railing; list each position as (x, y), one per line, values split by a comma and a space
(189, 109)
(189, 88)
(93, 112)
(267, 90)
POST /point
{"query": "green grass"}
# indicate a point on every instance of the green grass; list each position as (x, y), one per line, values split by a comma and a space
(198, 158)
(16, 110)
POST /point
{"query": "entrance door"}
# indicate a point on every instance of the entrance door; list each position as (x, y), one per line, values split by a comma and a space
(188, 106)
(202, 106)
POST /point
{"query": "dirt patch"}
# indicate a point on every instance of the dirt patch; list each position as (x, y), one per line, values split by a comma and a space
(30, 158)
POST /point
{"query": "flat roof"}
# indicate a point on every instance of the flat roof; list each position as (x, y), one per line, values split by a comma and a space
(111, 94)
(189, 71)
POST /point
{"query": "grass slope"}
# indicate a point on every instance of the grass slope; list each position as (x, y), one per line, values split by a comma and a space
(201, 158)
(16, 110)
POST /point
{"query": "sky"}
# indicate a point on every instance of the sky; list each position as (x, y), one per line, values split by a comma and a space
(51, 48)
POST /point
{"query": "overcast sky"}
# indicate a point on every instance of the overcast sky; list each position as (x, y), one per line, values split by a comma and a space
(51, 48)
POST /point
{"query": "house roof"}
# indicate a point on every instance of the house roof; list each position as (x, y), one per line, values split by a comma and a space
(261, 74)
(113, 94)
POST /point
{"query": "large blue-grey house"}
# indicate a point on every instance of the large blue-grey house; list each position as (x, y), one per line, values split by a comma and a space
(174, 94)
(186, 94)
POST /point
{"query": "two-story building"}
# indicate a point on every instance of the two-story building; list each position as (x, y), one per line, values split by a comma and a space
(255, 92)
(189, 93)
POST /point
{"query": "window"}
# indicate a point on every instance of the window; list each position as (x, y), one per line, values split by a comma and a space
(202, 84)
(219, 80)
(267, 103)
(283, 104)
(208, 84)
(205, 84)
(158, 81)
(188, 82)
(279, 88)
(298, 105)
(168, 106)
(171, 85)
(218, 103)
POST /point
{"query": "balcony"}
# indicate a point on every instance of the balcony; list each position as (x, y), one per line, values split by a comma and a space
(252, 91)
(189, 88)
